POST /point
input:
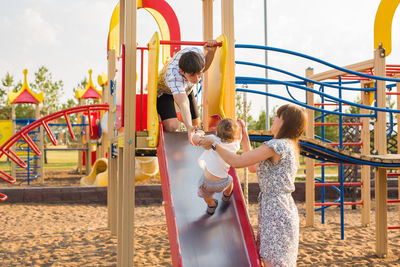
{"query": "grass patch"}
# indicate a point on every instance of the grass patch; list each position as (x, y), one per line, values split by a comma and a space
(56, 160)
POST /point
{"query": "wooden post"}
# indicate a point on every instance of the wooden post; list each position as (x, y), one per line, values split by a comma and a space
(310, 187)
(207, 35)
(89, 150)
(40, 159)
(120, 185)
(129, 134)
(14, 130)
(120, 151)
(381, 231)
(112, 162)
(227, 23)
(365, 150)
(380, 147)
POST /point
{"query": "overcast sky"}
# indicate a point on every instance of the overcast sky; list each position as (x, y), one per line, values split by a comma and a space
(69, 37)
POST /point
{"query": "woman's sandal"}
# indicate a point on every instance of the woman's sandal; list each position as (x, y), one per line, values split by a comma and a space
(226, 198)
(211, 210)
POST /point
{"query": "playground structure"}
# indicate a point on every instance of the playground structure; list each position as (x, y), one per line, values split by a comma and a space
(126, 140)
(374, 74)
(140, 135)
(89, 152)
(34, 162)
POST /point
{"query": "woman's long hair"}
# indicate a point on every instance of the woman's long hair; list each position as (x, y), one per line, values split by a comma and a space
(294, 122)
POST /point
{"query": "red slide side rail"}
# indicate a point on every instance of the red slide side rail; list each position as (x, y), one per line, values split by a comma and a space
(176, 254)
(5, 149)
(247, 229)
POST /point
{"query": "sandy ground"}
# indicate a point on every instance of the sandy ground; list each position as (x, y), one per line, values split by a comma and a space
(77, 235)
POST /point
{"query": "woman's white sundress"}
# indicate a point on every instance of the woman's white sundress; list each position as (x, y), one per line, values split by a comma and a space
(278, 219)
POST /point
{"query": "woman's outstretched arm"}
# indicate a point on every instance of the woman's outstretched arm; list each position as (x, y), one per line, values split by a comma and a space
(239, 161)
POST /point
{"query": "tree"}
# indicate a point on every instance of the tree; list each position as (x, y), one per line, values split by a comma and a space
(5, 108)
(260, 123)
(7, 82)
(240, 109)
(53, 90)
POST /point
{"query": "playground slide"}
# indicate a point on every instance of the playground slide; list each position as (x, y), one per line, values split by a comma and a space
(98, 175)
(197, 239)
(145, 168)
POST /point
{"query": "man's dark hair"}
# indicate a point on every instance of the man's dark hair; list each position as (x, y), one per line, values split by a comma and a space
(191, 62)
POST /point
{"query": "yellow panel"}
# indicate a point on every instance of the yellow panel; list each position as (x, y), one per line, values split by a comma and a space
(371, 97)
(383, 24)
(216, 80)
(5, 131)
(162, 24)
(113, 34)
(103, 78)
(120, 141)
(152, 116)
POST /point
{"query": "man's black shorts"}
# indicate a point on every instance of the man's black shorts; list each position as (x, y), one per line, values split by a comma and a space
(166, 106)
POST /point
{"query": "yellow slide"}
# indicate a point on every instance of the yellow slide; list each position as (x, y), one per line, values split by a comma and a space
(145, 168)
(98, 175)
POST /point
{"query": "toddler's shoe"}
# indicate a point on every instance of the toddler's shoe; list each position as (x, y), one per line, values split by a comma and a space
(226, 198)
(211, 210)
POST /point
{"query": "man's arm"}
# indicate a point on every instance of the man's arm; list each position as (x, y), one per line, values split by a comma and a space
(210, 49)
(182, 101)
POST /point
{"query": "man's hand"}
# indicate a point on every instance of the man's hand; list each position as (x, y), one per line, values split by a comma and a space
(197, 136)
(190, 134)
(211, 45)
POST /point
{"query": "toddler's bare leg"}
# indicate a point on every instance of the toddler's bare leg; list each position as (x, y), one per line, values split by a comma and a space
(228, 190)
(210, 202)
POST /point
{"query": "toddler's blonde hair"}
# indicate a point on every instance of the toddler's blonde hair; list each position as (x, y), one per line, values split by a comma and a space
(228, 130)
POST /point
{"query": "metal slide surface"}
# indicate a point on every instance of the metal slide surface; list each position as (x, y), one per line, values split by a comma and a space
(203, 240)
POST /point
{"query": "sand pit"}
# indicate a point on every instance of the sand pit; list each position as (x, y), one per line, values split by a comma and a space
(77, 235)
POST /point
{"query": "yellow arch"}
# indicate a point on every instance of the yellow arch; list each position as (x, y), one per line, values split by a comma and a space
(113, 35)
(383, 24)
(113, 40)
(164, 30)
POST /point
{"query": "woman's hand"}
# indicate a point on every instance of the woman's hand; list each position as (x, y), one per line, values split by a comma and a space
(206, 142)
(243, 127)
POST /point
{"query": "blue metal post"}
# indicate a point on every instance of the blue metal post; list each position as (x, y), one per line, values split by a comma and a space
(341, 164)
(322, 166)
